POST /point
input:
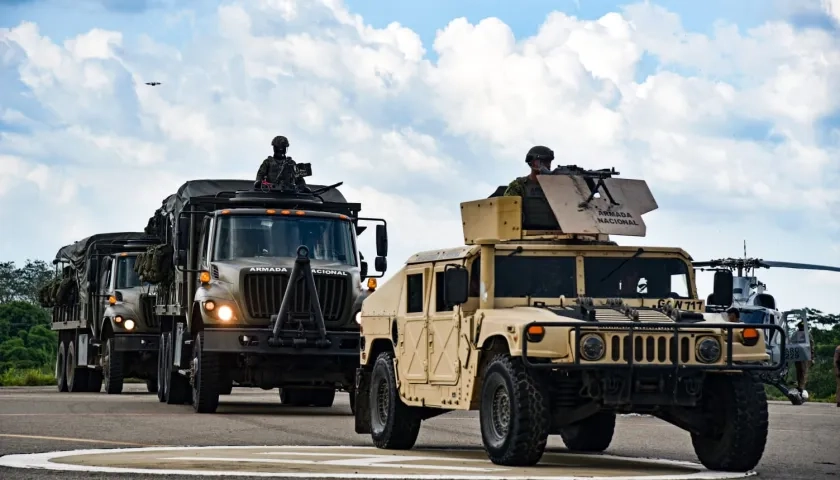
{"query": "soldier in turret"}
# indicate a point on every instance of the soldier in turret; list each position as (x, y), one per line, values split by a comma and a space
(539, 158)
(279, 169)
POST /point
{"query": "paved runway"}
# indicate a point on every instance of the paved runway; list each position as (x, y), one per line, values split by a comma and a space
(804, 441)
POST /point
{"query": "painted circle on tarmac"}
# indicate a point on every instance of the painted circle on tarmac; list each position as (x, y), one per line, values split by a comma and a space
(356, 462)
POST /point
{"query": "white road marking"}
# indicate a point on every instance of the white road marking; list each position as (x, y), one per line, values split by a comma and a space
(48, 461)
(367, 461)
(314, 454)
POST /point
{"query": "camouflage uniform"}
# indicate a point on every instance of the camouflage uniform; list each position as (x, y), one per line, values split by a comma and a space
(272, 167)
(522, 187)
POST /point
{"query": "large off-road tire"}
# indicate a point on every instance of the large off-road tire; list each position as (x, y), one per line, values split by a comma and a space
(593, 434)
(178, 391)
(514, 413)
(94, 381)
(61, 365)
(736, 408)
(205, 378)
(394, 425)
(77, 378)
(112, 368)
(161, 369)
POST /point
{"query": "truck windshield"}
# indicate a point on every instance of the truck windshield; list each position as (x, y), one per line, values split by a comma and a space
(638, 277)
(753, 316)
(251, 236)
(523, 276)
(126, 277)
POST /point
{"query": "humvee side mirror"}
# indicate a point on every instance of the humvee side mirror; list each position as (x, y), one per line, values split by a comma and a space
(722, 292)
(364, 270)
(381, 264)
(456, 282)
(181, 258)
(381, 241)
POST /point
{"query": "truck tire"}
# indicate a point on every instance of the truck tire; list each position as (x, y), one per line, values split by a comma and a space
(151, 385)
(735, 406)
(94, 381)
(61, 365)
(178, 391)
(352, 393)
(205, 378)
(112, 368)
(394, 425)
(161, 369)
(77, 378)
(593, 434)
(513, 413)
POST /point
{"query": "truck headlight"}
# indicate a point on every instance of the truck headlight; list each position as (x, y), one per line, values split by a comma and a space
(592, 347)
(225, 313)
(129, 324)
(359, 318)
(708, 350)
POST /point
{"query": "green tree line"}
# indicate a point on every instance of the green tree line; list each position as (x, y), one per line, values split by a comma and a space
(27, 344)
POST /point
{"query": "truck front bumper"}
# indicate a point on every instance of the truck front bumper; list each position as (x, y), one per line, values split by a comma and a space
(256, 340)
(136, 342)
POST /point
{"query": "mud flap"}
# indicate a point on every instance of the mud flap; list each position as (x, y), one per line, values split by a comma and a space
(362, 393)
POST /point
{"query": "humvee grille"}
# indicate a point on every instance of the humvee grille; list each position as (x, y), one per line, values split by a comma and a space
(650, 348)
(264, 292)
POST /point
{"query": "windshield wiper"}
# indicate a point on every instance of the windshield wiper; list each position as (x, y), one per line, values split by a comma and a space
(622, 264)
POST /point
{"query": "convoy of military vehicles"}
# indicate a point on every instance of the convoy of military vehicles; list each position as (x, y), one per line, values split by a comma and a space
(540, 321)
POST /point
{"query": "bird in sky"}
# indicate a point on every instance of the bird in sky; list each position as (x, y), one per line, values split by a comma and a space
(153, 83)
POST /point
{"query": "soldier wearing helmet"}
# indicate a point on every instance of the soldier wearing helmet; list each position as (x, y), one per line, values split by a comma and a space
(279, 168)
(539, 158)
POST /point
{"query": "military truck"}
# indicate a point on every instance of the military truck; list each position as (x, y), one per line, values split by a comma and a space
(260, 286)
(102, 312)
(546, 326)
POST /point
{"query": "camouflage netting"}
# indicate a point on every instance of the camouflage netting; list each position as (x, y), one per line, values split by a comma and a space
(58, 291)
(155, 265)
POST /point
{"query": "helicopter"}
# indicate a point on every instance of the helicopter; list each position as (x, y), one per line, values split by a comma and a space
(756, 306)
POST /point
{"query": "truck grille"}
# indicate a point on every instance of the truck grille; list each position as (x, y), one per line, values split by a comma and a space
(264, 292)
(147, 309)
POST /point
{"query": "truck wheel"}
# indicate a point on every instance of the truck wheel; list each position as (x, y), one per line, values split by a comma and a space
(514, 413)
(112, 368)
(593, 434)
(735, 406)
(61, 365)
(205, 378)
(77, 378)
(161, 369)
(178, 391)
(394, 425)
(151, 385)
(352, 394)
(94, 381)
(226, 389)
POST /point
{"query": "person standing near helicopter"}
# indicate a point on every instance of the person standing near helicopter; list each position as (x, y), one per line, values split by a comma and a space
(837, 373)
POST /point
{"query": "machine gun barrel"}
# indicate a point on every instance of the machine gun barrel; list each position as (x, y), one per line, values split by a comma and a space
(601, 173)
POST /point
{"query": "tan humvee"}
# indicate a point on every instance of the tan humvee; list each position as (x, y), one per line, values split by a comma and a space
(546, 326)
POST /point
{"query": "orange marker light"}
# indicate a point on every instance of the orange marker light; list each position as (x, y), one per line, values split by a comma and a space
(371, 283)
(225, 212)
(300, 212)
(270, 212)
(750, 336)
(112, 299)
(285, 212)
(204, 277)
(536, 330)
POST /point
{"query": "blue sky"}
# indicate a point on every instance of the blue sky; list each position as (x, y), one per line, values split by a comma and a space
(736, 131)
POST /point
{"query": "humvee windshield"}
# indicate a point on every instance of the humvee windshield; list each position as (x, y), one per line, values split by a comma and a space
(637, 278)
(126, 276)
(251, 236)
(523, 276)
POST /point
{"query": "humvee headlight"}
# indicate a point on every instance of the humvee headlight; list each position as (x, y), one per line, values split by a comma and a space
(225, 313)
(592, 347)
(129, 324)
(708, 350)
(359, 318)
(750, 336)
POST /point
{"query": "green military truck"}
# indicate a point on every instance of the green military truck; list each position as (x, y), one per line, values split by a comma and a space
(258, 286)
(102, 312)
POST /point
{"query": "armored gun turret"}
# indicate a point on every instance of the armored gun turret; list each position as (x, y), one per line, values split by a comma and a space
(577, 204)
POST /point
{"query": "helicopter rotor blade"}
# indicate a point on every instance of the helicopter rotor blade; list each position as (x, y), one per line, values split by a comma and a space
(800, 266)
